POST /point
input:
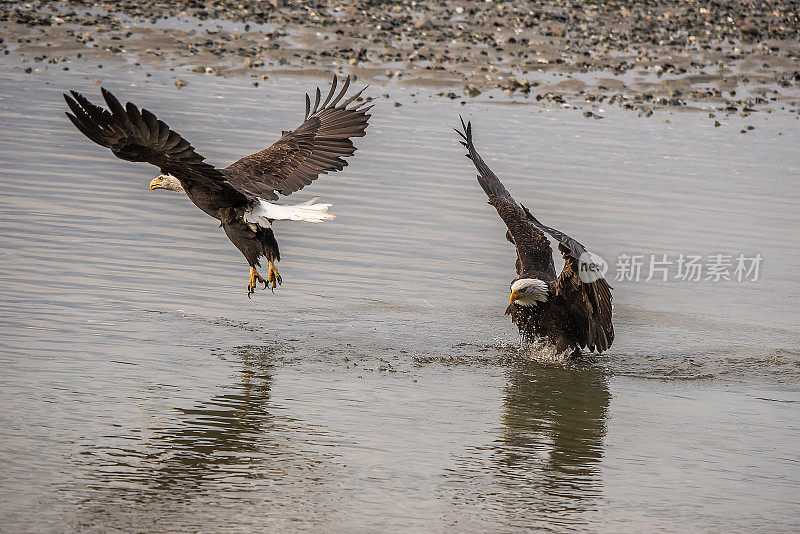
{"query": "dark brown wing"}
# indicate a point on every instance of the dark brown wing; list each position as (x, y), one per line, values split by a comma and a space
(317, 147)
(588, 299)
(576, 249)
(589, 304)
(135, 135)
(534, 255)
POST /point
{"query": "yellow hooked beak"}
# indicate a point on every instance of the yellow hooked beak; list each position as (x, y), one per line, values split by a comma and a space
(514, 296)
(155, 183)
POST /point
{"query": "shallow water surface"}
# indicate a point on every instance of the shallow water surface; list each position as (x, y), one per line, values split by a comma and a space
(381, 385)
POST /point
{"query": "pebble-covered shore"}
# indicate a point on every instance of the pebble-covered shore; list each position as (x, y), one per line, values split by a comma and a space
(720, 57)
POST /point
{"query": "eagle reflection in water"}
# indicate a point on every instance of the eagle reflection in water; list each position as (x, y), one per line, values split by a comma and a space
(554, 419)
(235, 443)
(543, 467)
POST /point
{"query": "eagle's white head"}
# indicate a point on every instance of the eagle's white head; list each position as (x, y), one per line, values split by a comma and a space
(168, 182)
(528, 291)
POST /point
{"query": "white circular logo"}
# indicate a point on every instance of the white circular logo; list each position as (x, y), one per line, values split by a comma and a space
(591, 267)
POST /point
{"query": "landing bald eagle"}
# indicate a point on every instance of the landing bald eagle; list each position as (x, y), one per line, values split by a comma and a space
(239, 195)
(571, 311)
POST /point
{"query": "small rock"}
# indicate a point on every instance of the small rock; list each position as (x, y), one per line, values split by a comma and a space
(422, 22)
(180, 82)
(472, 91)
(750, 31)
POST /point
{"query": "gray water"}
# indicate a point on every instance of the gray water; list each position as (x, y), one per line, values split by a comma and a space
(381, 387)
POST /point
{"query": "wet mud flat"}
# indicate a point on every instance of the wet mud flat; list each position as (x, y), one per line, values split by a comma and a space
(726, 58)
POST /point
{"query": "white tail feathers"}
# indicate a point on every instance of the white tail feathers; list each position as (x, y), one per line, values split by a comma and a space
(262, 212)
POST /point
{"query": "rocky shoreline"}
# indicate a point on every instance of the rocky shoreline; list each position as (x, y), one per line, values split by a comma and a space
(723, 58)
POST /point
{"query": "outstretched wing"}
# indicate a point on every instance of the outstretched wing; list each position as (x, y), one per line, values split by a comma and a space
(534, 255)
(588, 297)
(317, 147)
(135, 135)
(589, 304)
(575, 249)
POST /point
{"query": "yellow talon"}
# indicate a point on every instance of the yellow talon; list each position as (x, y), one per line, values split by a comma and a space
(254, 277)
(273, 277)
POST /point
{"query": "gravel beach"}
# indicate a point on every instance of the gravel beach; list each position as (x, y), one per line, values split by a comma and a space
(723, 58)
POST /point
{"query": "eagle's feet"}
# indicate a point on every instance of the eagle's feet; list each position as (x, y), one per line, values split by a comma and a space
(273, 277)
(254, 278)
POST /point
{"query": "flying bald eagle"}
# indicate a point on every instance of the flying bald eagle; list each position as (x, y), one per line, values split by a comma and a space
(573, 310)
(239, 195)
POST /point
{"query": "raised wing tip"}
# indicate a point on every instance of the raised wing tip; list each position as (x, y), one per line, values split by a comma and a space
(131, 107)
(466, 131)
(113, 104)
(75, 99)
